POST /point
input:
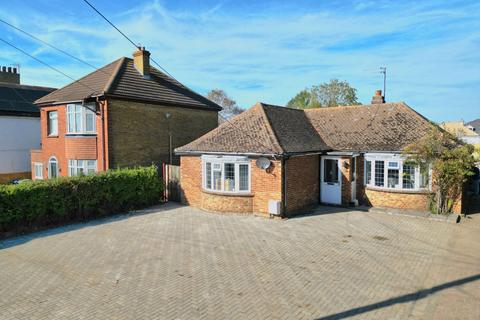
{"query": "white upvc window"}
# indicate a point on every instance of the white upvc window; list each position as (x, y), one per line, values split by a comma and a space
(226, 174)
(81, 167)
(38, 170)
(81, 119)
(52, 123)
(392, 171)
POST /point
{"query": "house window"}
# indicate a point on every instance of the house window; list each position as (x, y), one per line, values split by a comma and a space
(393, 172)
(379, 173)
(368, 172)
(52, 168)
(81, 167)
(38, 170)
(80, 119)
(330, 173)
(52, 125)
(408, 176)
(226, 174)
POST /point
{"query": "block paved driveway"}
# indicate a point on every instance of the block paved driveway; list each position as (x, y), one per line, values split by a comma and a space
(174, 262)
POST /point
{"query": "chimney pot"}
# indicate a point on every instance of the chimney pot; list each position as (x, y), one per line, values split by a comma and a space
(378, 98)
(141, 61)
(4, 69)
(15, 70)
(9, 70)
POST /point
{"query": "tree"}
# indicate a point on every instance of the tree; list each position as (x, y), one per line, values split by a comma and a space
(331, 94)
(451, 162)
(230, 107)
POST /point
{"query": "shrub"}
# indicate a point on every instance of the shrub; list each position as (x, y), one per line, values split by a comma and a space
(34, 204)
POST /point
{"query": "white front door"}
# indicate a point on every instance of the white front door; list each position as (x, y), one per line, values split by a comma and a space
(331, 180)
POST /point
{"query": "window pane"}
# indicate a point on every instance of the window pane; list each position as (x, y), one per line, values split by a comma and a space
(424, 177)
(379, 173)
(78, 122)
(217, 180)
(368, 172)
(243, 168)
(330, 173)
(208, 175)
(89, 122)
(408, 176)
(52, 123)
(393, 178)
(71, 122)
(229, 182)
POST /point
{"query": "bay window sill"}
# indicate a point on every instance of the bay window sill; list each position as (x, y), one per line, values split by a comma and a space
(392, 190)
(228, 194)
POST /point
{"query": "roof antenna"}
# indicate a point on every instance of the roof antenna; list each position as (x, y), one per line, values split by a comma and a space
(383, 70)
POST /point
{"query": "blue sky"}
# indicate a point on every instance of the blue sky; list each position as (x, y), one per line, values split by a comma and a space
(269, 50)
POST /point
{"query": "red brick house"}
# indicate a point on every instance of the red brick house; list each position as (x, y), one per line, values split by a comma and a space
(124, 114)
(276, 160)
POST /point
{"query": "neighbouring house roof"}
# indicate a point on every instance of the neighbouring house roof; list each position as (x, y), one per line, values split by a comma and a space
(268, 129)
(120, 79)
(475, 124)
(458, 129)
(18, 99)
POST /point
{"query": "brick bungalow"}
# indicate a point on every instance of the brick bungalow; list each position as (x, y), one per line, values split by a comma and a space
(124, 114)
(273, 159)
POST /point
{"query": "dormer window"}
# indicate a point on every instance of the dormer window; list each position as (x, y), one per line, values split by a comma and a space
(81, 119)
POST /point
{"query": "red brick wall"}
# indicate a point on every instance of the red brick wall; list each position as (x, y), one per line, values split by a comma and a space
(396, 199)
(65, 147)
(266, 185)
(302, 183)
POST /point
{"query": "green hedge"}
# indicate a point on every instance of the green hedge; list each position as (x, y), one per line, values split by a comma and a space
(40, 203)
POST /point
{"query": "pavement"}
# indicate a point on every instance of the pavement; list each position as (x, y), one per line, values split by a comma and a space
(177, 262)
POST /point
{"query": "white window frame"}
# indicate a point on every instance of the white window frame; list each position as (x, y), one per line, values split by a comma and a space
(50, 160)
(84, 111)
(40, 166)
(218, 164)
(392, 161)
(73, 165)
(49, 126)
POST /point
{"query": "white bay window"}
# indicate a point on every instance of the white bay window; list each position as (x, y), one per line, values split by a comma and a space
(81, 119)
(81, 167)
(391, 171)
(226, 174)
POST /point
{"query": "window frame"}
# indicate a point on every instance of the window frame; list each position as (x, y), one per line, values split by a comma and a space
(35, 165)
(84, 111)
(49, 125)
(395, 162)
(73, 165)
(218, 164)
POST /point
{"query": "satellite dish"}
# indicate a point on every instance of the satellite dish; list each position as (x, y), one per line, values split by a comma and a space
(263, 163)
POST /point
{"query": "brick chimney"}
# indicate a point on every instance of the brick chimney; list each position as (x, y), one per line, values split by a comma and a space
(9, 75)
(141, 61)
(378, 98)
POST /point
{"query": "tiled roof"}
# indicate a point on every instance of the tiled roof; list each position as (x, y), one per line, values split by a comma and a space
(17, 99)
(120, 79)
(268, 129)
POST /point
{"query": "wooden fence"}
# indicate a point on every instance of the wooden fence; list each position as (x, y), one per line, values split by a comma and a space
(171, 177)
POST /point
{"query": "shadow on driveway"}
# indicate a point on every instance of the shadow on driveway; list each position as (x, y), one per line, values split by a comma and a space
(417, 295)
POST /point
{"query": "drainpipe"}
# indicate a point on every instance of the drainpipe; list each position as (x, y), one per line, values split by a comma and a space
(284, 187)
